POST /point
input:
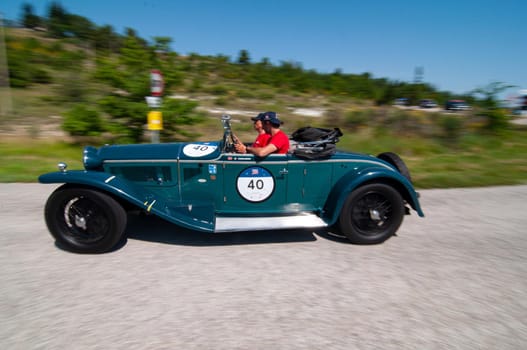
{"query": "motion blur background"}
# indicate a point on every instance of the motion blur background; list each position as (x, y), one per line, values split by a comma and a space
(437, 83)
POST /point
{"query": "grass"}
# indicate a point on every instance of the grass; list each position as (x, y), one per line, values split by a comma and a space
(25, 160)
(475, 160)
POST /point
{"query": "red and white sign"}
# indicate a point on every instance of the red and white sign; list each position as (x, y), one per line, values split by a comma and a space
(156, 83)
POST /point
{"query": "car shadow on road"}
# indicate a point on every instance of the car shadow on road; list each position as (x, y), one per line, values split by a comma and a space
(154, 229)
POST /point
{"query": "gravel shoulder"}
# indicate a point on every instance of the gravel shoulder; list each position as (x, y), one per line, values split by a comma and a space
(452, 280)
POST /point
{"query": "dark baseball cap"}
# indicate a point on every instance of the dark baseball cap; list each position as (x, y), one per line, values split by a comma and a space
(271, 117)
(258, 117)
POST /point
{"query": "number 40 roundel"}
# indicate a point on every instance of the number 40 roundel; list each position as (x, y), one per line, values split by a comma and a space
(255, 184)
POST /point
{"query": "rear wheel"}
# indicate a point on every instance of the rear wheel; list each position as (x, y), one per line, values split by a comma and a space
(371, 214)
(84, 220)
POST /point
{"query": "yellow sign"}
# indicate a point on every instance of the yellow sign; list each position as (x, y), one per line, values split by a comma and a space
(155, 120)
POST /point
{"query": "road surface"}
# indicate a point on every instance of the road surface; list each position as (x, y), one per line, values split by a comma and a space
(453, 280)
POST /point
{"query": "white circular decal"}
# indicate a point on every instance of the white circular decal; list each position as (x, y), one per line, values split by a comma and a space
(196, 150)
(255, 184)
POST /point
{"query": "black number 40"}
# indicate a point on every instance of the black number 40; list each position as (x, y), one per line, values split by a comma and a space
(259, 184)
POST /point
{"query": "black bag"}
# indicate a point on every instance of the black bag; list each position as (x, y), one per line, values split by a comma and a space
(315, 143)
(322, 151)
(310, 134)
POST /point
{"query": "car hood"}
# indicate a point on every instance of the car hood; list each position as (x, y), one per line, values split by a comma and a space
(94, 157)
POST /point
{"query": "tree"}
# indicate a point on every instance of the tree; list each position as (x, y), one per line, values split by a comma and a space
(29, 19)
(497, 120)
(134, 53)
(244, 58)
(57, 20)
(105, 39)
(79, 27)
(162, 44)
(490, 93)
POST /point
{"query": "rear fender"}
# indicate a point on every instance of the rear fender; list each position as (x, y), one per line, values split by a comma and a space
(353, 180)
(201, 218)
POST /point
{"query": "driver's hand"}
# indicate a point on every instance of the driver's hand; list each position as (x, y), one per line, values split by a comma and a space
(240, 147)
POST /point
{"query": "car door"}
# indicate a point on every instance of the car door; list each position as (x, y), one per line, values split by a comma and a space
(309, 183)
(253, 185)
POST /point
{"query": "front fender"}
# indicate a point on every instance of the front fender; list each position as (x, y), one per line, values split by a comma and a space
(353, 180)
(103, 181)
(178, 213)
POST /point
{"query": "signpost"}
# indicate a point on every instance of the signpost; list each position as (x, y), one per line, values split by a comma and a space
(157, 83)
(155, 117)
(155, 120)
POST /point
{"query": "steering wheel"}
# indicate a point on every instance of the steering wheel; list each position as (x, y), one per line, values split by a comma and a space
(228, 139)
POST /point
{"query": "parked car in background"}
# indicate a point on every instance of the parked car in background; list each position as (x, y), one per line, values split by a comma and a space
(457, 105)
(427, 103)
(401, 101)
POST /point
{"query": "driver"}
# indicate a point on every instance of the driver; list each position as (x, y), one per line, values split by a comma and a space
(278, 143)
(262, 139)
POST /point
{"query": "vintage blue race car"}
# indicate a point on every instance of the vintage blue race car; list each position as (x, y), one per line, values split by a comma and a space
(205, 186)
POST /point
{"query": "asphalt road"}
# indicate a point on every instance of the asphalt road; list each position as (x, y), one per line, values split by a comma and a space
(453, 280)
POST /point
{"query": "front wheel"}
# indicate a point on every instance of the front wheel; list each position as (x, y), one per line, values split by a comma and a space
(371, 214)
(83, 220)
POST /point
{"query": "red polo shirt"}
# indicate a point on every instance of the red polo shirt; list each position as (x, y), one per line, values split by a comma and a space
(262, 140)
(281, 142)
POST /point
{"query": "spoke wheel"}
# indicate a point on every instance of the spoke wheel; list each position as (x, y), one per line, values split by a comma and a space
(371, 214)
(84, 220)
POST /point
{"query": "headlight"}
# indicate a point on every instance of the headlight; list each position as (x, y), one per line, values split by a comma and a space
(91, 159)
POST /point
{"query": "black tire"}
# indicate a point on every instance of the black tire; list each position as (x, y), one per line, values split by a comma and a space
(84, 220)
(397, 162)
(371, 214)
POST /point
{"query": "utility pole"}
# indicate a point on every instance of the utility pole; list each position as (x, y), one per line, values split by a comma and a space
(5, 88)
(418, 74)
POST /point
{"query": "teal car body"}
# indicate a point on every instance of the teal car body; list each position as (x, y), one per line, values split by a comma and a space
(202, 186)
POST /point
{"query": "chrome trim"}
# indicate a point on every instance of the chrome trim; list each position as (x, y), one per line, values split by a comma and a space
(140, 160)
(237, 224)
(258, 162)
(62, 167)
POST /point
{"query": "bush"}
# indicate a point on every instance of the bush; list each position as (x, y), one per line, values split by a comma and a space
(244, 93)
(401, 122)
(221, 101)
(356, 119)
(41, 76)
(196, 85)
(451, 127)
(497, 120)
(72, 89)
(218, 90)
(81, 121)
(127, 117)
(177, 116)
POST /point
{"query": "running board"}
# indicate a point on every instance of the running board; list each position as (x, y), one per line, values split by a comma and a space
(232, 224)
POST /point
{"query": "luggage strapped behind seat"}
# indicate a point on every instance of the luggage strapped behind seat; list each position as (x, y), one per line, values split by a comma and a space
(315, 143)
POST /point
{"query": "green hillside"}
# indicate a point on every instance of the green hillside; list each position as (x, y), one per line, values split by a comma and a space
(63, 64)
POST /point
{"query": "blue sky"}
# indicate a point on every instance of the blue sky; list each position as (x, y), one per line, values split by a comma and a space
(461, 45)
